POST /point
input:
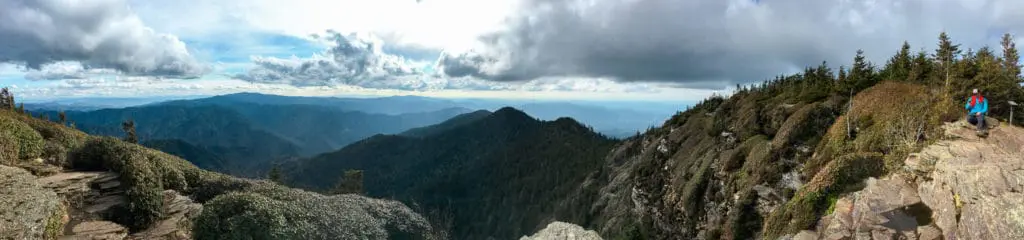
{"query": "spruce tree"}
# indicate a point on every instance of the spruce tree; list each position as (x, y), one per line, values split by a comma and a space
(351, 182)
(862, 73)
(275, 175)
(129, 131)
(921, 69)
(1011, 57)
(898, 67)
(6, 99)
(945, 56)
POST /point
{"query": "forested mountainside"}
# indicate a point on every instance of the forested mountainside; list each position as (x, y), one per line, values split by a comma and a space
(64, 183)
(248, 136)
(231, 135)
(771, 159)
(482, 175)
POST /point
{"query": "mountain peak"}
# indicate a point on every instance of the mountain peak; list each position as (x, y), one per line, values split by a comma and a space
(512, 114)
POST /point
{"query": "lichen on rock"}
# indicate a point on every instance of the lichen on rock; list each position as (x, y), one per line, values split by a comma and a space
(29, 210)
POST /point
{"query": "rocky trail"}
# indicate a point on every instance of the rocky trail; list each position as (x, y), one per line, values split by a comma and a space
(83, 200)
(965, 187)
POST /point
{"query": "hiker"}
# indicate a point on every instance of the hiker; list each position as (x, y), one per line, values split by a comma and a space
(977, 107)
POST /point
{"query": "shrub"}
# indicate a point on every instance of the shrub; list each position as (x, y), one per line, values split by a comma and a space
(55, 154)
(248, 216)
(67, 137)
(805, 126)
(8, 149)
(30, 143)
(142, 188)
(889, 118)
(812, 200)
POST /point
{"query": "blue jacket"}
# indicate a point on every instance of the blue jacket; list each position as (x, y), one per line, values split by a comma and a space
(980, 107)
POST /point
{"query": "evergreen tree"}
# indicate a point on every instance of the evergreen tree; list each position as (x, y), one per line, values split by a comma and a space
(62, 117)
(921, 69)
(1011, 57)
(351, 182)
(945, 56)
(899, 66)
(861, 75)
(6, 99)
(275, 175)
(21, 108)
(129, 131)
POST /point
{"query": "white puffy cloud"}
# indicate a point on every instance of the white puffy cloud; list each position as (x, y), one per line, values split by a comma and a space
(100, 34)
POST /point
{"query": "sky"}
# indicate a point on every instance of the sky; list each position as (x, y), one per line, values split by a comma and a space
(657, 50)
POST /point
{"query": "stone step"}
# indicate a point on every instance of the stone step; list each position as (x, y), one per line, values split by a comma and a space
(97, 230)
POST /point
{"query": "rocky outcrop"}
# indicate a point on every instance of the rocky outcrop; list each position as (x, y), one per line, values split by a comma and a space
(92, 195)
(962, 188)
(29, 210)
(563, 231)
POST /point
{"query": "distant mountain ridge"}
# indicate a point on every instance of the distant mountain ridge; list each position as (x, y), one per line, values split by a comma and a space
(473, 167)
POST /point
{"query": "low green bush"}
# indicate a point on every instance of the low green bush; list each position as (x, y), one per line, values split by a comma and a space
(30, 143)
(8, 149)
(807, 206)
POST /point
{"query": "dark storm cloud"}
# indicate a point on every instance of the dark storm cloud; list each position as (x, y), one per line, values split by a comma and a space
(712, 44)
(97, 33)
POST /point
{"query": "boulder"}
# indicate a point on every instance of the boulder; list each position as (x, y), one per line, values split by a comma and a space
(27, 210)
(563, 231)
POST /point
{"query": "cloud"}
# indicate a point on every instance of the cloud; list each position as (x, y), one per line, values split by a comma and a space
(101, 34)
(66, 70)
(714, 44)
(353, 60)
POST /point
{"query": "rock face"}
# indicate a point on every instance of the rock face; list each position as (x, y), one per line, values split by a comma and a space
(29, 210)
(563, 231)
(92, 194)
(963, 188)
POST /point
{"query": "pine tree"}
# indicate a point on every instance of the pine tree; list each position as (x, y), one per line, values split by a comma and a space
(350, 182)
(129, 131)
(921, 69)
(898, 67)
(945, 56)
(6, 99)
(275, 175)
(1011, 57)
(861, 75)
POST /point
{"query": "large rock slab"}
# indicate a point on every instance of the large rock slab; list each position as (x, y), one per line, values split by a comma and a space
(563, 231)
(97, 230)
(27, 210)
(967, 187)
